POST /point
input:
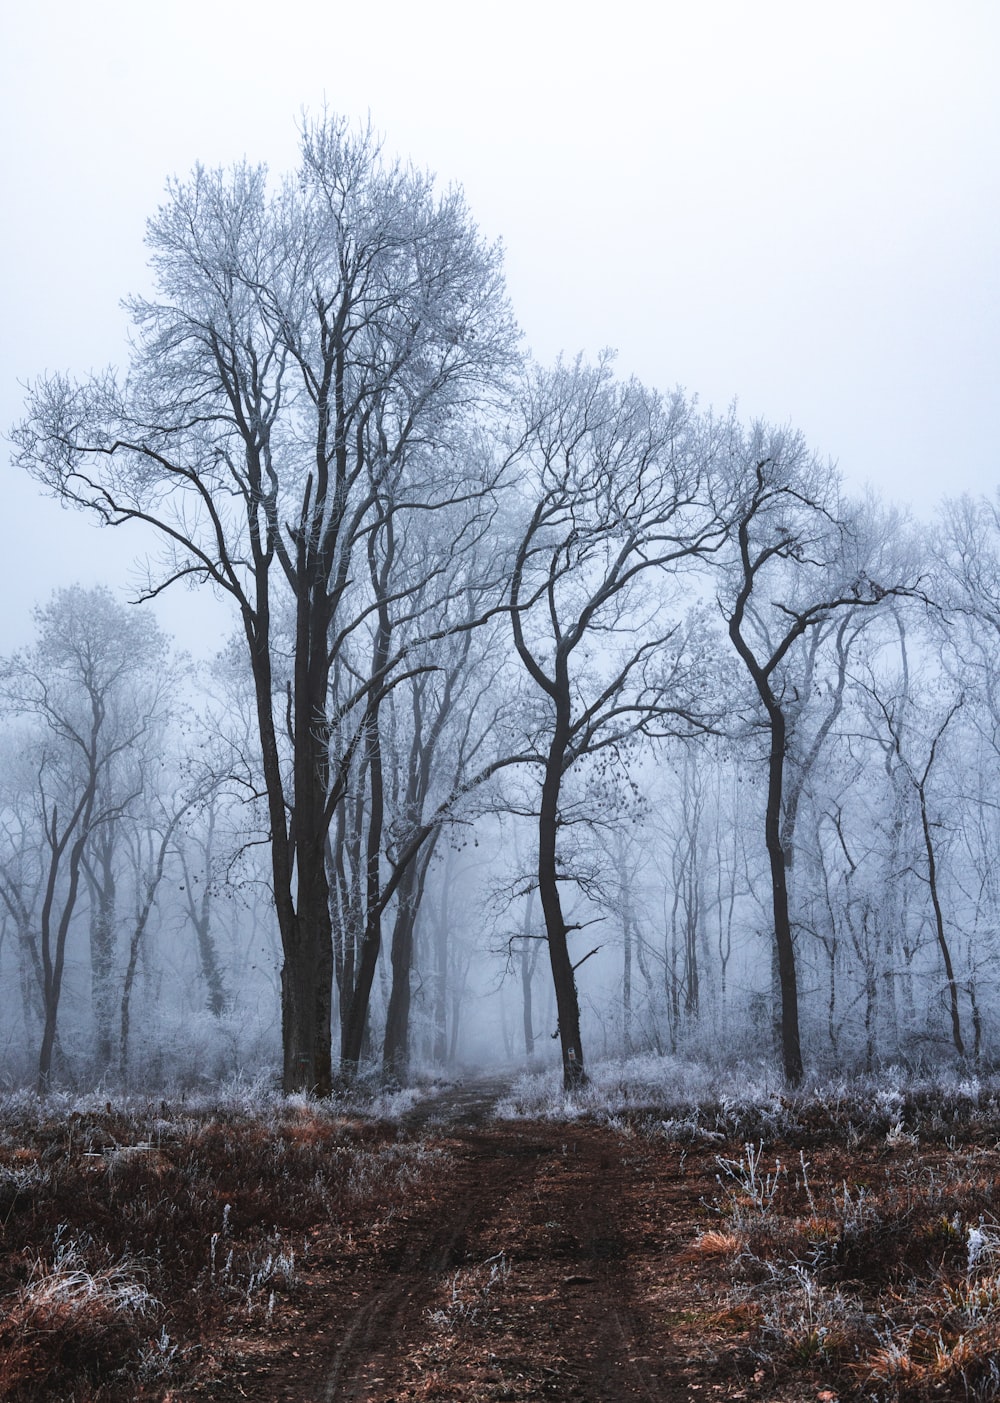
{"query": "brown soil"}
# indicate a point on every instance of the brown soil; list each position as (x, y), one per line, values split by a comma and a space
(547, 1261)
(450, 1256)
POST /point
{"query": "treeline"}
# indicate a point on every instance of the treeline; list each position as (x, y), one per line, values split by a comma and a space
(725, 735)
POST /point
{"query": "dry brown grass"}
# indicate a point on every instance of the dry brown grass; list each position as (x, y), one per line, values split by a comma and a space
(130, 1237)
(880, 1265)
(715, 1243)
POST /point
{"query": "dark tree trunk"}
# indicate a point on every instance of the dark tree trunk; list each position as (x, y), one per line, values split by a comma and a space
(54, 959)
(299, 838)
(563, 976)
(791, 1048)
(396, 1046)
(306, 1008)
(355, 1021)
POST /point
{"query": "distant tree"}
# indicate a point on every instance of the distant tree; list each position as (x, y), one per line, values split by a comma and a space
(93, 685)
(199, 891)
(297, 389)
(917, 750)
(801, 559)
(21, 870)
(156, 838)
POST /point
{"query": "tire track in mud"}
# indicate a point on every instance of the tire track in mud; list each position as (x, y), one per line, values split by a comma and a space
(553, 1202)
(580, 1227)
(360, 1355)
(390, 1321)
(595, 1208)
(535, 1261)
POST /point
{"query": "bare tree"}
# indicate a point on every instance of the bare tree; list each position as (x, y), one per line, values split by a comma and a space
(93, 683)
(309, 360)
(800, 559)
(617, 495)
(919, 770)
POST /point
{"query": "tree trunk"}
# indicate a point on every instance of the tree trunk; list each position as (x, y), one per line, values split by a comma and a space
(149, 890)
(396, 1046)
(527, 1013)
(563, 976)
(626, 915)
(441, 976)
(939, 927)
(791, 1048)
(355, 1021)
(101, 883)
(200, 912)
(54, 959)
(306, 1011)
(298, 846)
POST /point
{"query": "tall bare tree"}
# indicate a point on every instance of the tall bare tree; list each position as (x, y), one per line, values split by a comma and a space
(801, 558)
(618, 494)
(297, 386)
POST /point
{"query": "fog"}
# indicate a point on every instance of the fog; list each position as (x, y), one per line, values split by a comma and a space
(789, 215)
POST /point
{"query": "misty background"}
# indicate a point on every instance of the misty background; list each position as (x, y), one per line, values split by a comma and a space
(791, 211)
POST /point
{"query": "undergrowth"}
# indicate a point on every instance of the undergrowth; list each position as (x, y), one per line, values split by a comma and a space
(858, 1222)
(132, 1232)
(859, 1217)
(879, 1268)
(694, 1102)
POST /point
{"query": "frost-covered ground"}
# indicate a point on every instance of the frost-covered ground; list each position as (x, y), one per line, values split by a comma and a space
(849, 1231)
(687, 1099)
(695, 1100)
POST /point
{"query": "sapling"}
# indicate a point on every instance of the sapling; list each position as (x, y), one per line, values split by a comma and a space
(759, 1187)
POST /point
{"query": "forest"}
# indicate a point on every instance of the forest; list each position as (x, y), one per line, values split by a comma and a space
(560, 717)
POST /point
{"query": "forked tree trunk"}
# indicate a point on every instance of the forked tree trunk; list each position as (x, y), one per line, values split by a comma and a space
(54, 955)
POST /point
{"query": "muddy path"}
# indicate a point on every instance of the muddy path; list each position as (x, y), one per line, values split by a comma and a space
(536, 1261)
(307, 1253)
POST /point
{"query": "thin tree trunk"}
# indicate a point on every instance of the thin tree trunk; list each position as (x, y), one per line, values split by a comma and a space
(939, 927)
(791, 1049)
(101, 883)
(396, 1047)
(563, 976)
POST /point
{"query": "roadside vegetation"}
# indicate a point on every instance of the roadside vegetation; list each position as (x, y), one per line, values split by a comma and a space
(842, 1242)
(138, 1236)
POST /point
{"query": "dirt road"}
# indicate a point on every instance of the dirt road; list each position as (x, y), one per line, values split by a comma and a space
(538, 1262)
(307, 1253)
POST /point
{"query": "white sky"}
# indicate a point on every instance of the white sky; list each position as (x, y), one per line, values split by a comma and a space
(786, 203)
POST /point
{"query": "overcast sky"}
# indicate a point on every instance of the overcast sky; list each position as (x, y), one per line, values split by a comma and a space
(793, 205)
